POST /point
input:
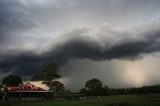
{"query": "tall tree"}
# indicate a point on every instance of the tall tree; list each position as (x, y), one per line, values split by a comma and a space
(48, 74)
(94, 87)
(58, 88)
(12, 80)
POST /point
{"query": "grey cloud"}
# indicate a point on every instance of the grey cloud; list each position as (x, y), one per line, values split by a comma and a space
(26, 15)
(121, 46)
(81, 44)
(13, 17)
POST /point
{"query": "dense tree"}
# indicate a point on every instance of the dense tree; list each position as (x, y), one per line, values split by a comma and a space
(0, 86)
(48, 74)
(57, 87)
(83, 91)
(12, 80)
(106, 90)
(94, 87)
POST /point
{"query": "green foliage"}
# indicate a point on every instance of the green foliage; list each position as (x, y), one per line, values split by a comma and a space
(83, 91)
(57, 87)
(12, 80)
(106, 90)
(49, 73)
(94, 87)
(0, 85)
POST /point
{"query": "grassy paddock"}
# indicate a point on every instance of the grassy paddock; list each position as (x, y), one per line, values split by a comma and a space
(123, 100)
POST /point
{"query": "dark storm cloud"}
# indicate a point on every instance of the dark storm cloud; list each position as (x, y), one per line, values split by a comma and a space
(85, 47)
(26, 15)
(78, 49)
(13, 17)
(144, 40)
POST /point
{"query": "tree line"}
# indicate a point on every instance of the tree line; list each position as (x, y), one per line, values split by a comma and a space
(93, 87)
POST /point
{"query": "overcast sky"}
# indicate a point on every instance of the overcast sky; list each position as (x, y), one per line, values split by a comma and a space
(116, 41)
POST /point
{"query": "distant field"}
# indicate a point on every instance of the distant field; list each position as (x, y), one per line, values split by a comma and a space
(124, 100)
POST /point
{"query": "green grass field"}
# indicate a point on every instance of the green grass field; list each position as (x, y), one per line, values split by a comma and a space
(124, 100)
